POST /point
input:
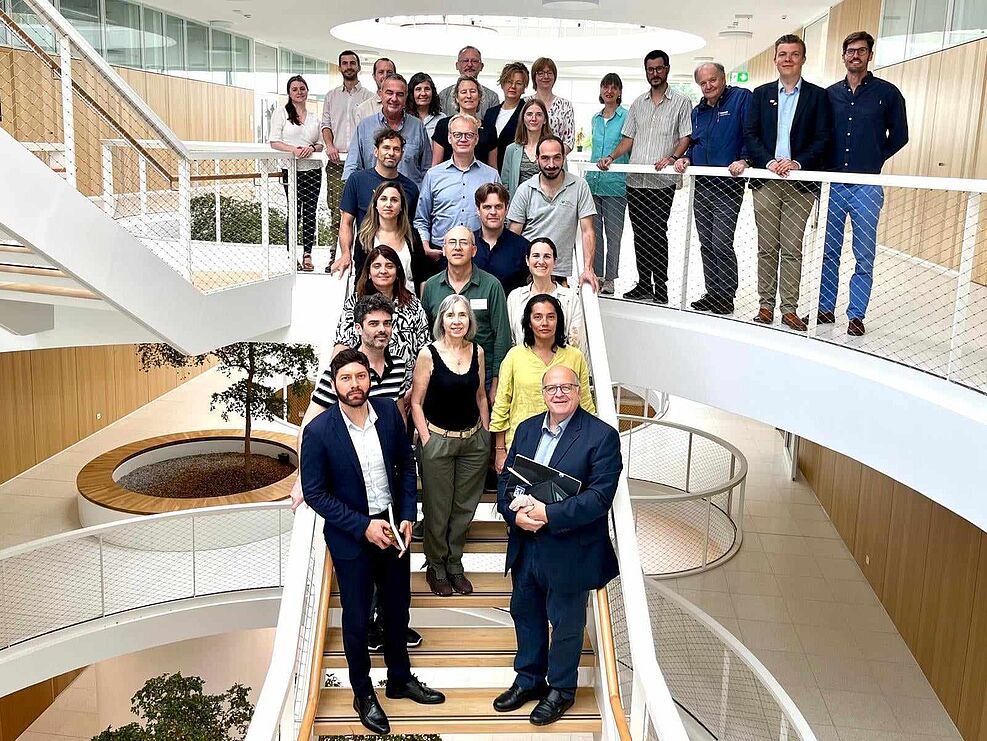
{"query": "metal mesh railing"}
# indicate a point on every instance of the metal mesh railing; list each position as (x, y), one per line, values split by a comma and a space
(219, 217)
(86, 574)
(895, 267)
(718, 681)
(687, 490)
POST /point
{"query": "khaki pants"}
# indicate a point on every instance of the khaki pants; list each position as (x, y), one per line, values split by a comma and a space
(334, 194)
(453, 470)
(781, 212)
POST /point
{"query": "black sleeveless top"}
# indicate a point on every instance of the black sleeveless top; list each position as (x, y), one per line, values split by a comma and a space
(450, 399)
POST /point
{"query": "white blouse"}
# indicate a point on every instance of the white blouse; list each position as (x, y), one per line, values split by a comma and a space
(306, 134)
(572, 311)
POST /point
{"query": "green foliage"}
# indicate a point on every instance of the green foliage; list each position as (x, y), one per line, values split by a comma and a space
(175, 707)
(240, 221)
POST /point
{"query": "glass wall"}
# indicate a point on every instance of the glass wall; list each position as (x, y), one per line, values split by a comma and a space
(911, 28)
(123, 33)
(85, 16)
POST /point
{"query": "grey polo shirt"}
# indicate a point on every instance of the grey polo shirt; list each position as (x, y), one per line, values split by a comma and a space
(556, 218)
(655, 129)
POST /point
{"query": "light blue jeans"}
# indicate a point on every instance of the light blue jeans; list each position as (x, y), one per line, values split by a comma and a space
(862, 203)
(609, 219)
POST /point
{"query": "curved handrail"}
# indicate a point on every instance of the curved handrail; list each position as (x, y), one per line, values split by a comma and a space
(609, 652)
(318, 648)
(786, 705)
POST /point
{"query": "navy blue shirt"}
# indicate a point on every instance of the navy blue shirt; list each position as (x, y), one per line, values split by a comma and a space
(870, 124)
(359, 189)
(506, 261)
(718, 131)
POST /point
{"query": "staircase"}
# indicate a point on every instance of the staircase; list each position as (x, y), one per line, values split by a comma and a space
(480, 657)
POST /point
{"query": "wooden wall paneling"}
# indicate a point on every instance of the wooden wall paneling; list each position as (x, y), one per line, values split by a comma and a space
(844, 18)
(961, 92)
(827, 475)
(20, 709)
(873, 528)
(17, 451)
(125, 394)
(908, 546)
(972, 717)
(846, 497)
(56, 412)
(947, 604)
(178, 106)
(95, 378)
(6, 90)
(809, 454)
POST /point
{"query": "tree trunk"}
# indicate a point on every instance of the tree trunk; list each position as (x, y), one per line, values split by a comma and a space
(247, 410)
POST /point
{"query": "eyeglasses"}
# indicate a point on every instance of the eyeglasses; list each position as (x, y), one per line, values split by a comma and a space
(564, 388)
(653, 70)
(466, 136)
(861, 52)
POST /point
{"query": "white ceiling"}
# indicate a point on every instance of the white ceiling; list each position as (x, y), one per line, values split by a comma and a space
(304, 25)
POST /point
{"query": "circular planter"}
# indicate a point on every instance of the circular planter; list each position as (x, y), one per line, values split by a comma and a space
(102, 499)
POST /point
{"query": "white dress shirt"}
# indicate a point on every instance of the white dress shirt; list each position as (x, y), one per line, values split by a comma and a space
(371, 457)
(307, 134)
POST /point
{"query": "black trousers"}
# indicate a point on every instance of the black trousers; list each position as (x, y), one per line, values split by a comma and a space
(535, 604)
(358, 578)
(716, 208)
(309, 184)
(649, 209)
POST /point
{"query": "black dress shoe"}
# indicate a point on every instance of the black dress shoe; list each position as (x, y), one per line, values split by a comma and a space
(551, 708)
(371, 714)
(414, 690)
(412, 638)
(640, 292)
(375, 636)
(514, 697)
(418, 532)
(704, 304)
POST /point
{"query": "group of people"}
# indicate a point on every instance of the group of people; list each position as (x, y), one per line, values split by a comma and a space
(464, 136)
(462, 343)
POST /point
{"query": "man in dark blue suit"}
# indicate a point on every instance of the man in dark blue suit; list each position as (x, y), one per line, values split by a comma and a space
(788, 127)
(557, 553)
(356, 464)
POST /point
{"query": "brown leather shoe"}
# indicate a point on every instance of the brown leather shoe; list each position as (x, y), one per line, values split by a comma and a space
(460, 583)
(765, 316)
(793, 320)
(826, 317)
(855, 328)
(439, 585)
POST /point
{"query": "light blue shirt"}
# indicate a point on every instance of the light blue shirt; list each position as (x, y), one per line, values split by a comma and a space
(787, 103)
(447, 199)
(549, 440)
(415, 159)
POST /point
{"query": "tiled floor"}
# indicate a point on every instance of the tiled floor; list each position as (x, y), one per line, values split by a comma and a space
(796, 598)
(42, 500)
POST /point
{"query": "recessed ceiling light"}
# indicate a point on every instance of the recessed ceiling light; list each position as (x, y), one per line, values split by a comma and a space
(735, 33)
(571, 4)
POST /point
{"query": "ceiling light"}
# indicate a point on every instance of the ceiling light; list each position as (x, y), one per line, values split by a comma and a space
(571, 4)
(735, 33)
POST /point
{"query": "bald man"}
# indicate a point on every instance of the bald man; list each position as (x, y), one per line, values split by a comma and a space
(546, 540)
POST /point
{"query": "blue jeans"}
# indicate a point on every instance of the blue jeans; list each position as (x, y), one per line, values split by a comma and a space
(609, 218)
(862, 203)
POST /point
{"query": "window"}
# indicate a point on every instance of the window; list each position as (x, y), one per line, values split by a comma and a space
(894, 31)
(154, 40)
(911, 28)
(174, 44)
(123, 33)
(969, 21)
(241, 54)
(221, 55)
(266, 64)
(928, 27)
(197, 37)
(84, 15)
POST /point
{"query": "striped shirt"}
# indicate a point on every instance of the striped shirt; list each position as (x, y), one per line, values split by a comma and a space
(392, 384)
(655, 130)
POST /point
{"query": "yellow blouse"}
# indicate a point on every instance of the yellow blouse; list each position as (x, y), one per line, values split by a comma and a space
(519, 393)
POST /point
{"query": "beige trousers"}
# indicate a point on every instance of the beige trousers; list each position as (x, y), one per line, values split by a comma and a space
(781, 212)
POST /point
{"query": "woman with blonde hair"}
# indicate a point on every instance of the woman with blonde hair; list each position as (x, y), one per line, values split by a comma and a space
(520, 158)
(468, 94)
(500, 121)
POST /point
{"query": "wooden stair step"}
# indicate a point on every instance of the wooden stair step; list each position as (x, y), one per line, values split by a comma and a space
(489, 590)
(31, 270)
(15, 249)
(464, 711)
(484, 536)
(64, 292)
(449, 647)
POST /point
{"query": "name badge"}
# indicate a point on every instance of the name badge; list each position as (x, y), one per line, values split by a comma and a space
(478, 304)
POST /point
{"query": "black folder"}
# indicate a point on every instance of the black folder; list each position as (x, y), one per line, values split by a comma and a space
(544, 483)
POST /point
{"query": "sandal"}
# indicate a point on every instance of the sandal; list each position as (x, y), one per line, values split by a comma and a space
(306, 266)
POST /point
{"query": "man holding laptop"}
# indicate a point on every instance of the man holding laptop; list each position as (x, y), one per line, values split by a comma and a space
(546, 540)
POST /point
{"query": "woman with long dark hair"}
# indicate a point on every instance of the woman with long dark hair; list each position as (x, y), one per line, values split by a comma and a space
(383, 273)
(297, 131)
(519, 393)
(423, 101)
(388, 223)
(520, 158)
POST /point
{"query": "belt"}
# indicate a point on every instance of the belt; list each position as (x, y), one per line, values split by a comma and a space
(459, 434)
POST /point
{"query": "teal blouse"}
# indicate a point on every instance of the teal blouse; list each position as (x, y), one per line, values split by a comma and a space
(606, 137)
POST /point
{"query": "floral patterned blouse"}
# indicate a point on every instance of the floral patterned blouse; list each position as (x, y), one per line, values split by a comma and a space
(562, 119)
(410, 333)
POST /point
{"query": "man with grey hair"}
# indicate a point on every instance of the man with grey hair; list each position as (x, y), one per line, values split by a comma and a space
(717, 140)
(469, 63)
(383, 67)
(448, 189)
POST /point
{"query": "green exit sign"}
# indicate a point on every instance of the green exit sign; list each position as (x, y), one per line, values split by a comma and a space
(740, 77)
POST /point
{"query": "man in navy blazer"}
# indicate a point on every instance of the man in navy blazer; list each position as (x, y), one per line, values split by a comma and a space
(557, 553)
(357, 463)
(788, 127)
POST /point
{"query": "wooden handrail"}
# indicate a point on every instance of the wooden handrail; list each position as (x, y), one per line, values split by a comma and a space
(57, 71)
(609, 655)
(318, 648)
